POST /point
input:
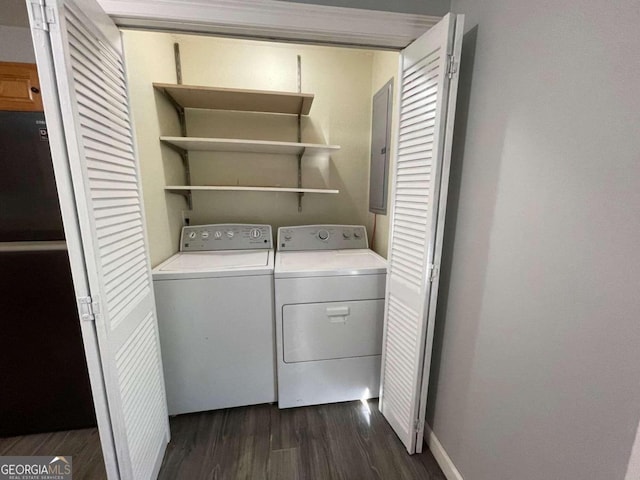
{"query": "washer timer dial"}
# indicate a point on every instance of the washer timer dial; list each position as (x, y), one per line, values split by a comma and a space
(255, 233)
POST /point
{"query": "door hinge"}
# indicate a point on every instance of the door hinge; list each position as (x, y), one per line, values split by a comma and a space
(452, 66)
(433, 272)
(42, 15)
(89, 308)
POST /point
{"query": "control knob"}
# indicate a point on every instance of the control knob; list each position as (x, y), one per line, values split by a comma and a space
(192, 235)
(205, 235)
(356, 234)
(323, 235)
(346, 235)
(255, 233)
(217, 235)
(230, 234)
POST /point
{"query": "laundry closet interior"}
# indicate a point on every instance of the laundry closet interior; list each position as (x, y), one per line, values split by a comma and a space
(237, 138)
(340, 84)
(284, 147)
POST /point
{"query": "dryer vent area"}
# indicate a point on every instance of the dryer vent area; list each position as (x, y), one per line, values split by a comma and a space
(222, 152)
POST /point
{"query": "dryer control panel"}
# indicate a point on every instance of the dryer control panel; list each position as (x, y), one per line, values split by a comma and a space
(322, 237)
(226, 236)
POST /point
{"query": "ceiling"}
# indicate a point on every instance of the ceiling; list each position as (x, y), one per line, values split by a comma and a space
(14, 13)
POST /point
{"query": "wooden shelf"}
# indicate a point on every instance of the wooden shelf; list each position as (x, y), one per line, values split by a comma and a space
(213, 98)
(248, 146)
(232, 188)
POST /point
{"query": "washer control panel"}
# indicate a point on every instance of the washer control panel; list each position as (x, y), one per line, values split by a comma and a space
(226, 236)
(322, 237)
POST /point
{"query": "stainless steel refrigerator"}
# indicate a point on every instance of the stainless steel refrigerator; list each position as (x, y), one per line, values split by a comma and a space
(43, 373)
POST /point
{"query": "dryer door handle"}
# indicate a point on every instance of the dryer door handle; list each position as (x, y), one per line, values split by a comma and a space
(338, 314)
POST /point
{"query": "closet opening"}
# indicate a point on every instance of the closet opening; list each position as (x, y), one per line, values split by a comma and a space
(220, 139)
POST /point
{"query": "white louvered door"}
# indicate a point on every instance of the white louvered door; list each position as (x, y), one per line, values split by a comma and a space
(92, 102)
(426, 100)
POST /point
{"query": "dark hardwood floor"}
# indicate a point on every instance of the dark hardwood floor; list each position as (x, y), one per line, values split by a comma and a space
(82, 445)
(345, 441)
(349, 441)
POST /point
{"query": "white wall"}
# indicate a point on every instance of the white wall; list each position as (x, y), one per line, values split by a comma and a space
(537, 355)
(16, 45)
(149, 58)
(341, 114)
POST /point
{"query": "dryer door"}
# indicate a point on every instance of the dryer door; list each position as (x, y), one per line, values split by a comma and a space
(331, 330)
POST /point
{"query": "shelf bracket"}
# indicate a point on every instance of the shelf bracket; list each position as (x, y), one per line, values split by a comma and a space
(187, 194)
(301, 194)
(180, 151)
(178, 108)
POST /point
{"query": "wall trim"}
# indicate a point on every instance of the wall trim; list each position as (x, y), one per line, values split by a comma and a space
(440, 454)
(273, 19)
(633, 469)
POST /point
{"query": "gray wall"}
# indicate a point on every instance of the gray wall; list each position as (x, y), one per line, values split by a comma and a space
(424, 7)
(14, 13)
(537, 356)
(15, 37)
(17, 45)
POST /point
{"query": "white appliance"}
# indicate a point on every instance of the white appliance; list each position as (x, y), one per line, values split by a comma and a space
(215, 315)
(329, 315)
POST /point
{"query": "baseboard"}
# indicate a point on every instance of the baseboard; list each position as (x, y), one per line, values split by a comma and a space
(439, 453)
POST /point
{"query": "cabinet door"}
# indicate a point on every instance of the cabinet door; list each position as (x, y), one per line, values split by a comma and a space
(427, 105)
(19, 87)
(80, 57)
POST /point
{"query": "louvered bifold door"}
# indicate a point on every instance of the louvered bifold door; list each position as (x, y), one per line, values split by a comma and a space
(92, 94)
(426, 97)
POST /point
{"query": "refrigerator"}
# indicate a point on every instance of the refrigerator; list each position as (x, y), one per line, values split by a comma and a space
(43, 371)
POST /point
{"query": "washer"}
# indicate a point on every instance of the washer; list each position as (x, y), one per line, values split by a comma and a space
(215, 316)
(329, 315)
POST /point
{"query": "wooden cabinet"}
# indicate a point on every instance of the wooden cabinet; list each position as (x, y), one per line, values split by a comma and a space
(20, 87)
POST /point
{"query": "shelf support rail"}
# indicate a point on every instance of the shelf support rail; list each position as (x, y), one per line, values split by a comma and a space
(184, 154)
(301, 194)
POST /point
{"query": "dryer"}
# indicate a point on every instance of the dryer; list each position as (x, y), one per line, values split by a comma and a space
(215, 317)
(329, 301)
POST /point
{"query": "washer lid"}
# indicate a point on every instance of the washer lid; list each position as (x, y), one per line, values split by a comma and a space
(329, 263)
(220, 263)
